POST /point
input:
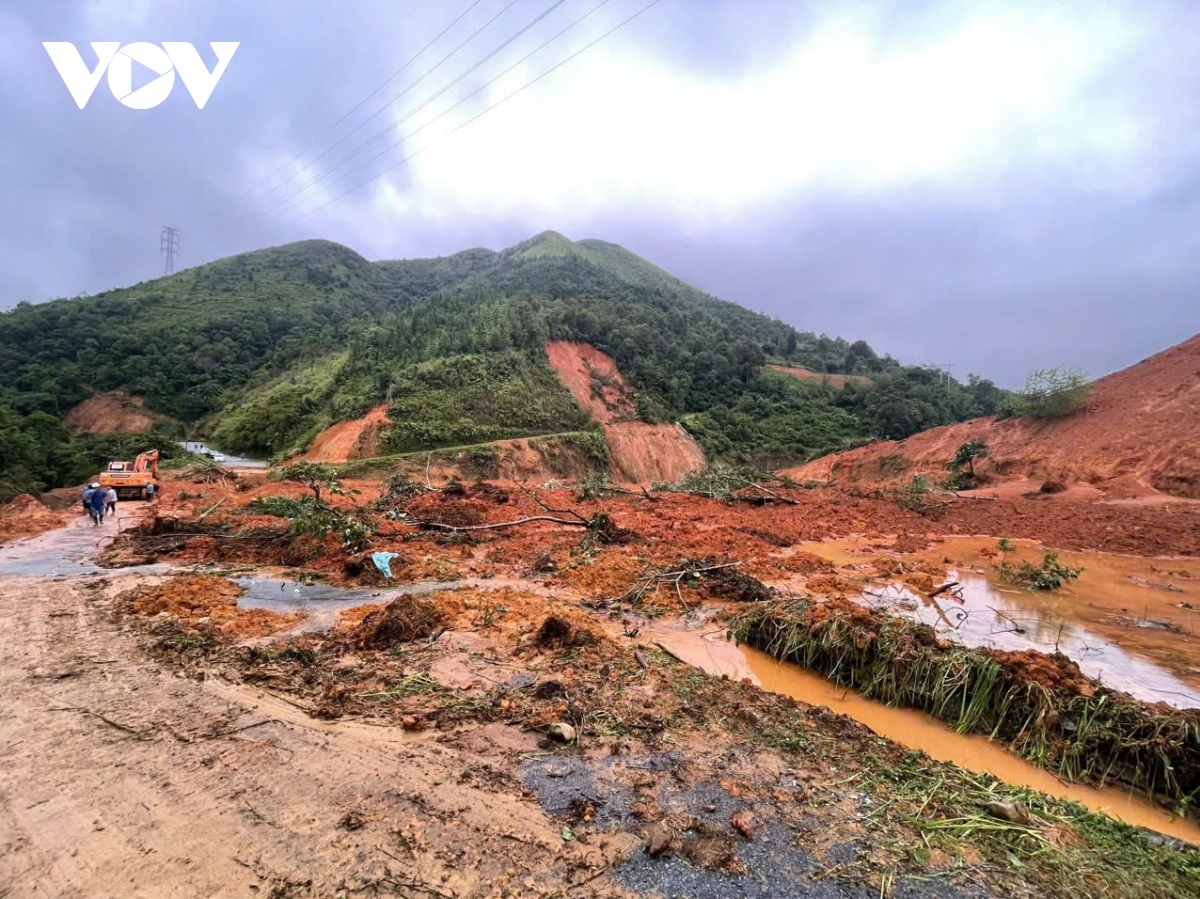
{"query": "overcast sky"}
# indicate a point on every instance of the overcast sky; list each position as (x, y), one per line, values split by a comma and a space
(999, 186)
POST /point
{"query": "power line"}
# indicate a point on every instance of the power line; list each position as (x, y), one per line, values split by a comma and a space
(484, 112)
(557, 3)
(168, 244)
(359, 104)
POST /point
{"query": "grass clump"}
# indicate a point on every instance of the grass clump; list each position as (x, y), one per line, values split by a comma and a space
(1050, 575)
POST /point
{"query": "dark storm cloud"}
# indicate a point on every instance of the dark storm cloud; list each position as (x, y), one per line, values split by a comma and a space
(1021, 269)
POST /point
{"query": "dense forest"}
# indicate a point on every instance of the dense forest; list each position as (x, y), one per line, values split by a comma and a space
(264, 349)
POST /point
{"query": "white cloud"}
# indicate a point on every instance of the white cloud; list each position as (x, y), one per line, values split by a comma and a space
(845, 111)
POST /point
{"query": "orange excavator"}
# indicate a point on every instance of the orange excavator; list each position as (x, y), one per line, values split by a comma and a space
(132, 481)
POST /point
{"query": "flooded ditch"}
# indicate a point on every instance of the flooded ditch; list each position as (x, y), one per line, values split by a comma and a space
(916, 730)
(706, 647)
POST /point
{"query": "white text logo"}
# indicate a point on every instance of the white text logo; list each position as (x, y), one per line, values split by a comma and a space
(164, 62)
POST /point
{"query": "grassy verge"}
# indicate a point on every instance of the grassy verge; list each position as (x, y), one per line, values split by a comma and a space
(1040, 706)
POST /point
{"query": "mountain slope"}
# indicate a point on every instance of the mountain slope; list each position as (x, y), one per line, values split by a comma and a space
(1139, 435)
(264, 350)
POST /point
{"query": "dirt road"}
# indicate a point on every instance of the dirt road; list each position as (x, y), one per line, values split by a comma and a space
(120, 779)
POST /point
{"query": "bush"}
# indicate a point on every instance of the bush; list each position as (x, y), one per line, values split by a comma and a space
(1051, 393)
(1050, 575)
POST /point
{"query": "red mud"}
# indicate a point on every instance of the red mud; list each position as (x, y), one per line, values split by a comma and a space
(1137, 438)
(25, 516)
(647, 454)
(347, 440)
(594, 381)
(203, 601)
(115, 412)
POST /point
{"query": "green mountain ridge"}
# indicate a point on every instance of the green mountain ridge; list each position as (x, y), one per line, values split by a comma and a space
(263, 349)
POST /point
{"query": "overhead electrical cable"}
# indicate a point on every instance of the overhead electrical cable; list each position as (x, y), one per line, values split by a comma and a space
(484, 112)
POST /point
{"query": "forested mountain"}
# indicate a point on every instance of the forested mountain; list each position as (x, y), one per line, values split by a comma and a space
(263, 349)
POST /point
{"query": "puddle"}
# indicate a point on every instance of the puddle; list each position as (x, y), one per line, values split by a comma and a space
(1132, 623)
(322, 603)
(993, 616)
(916, 730)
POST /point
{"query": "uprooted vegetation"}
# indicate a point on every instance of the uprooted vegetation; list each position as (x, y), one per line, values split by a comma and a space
(1041, 706)
(402, 620)
(731, 483)
(1049, 575)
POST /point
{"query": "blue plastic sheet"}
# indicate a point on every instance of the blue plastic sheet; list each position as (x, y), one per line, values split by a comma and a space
(383, 561)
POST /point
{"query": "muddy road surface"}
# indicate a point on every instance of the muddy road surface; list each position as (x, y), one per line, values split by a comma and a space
(118, 778)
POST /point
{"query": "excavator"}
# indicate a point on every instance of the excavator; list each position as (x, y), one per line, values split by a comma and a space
(131, 481)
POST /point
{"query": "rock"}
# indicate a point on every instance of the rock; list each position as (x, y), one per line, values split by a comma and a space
(659, 841)
(1053, 487)
(412, 722)
(743, 822)
(1013, 812)
(562, 732)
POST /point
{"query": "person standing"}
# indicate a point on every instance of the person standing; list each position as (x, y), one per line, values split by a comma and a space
(87, 495)
(96, 503)
(110, 501)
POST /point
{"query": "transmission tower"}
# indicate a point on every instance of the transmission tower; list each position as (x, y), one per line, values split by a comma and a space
(168, 245)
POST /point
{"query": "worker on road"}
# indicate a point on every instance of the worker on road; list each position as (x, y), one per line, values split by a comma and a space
(110, 501)
(87, 495)
(150, 491)
(96, 503)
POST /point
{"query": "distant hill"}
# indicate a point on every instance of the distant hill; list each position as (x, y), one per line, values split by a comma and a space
(1139, 436)
(262, 351)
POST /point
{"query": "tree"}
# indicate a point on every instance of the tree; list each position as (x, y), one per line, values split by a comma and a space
(314, 476)
(967, 454)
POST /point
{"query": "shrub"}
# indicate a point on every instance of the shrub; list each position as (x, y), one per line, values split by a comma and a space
(1051, 393)
(1050, 575)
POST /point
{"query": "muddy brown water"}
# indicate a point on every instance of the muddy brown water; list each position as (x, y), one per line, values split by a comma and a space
(705, 647)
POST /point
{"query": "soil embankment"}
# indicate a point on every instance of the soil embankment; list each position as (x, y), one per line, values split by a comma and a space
(114, 412)
(1137, 438)
(345, 441)
(26, 516)
(650, 454)
(641, 453)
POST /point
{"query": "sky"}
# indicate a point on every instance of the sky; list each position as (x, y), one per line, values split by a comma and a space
(992, 187)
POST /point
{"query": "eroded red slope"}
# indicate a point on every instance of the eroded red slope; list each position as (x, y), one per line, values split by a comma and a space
(641, 453)
(1139, 436)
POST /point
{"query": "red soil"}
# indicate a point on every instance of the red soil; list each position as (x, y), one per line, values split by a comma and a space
(646, 454)
(807, 374)
(24, 516)
(593, 380)
(115, 412)
(1138, 437)
(346, 440)
(641, 453)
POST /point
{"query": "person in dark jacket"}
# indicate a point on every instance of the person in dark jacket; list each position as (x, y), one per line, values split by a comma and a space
(96, 503)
